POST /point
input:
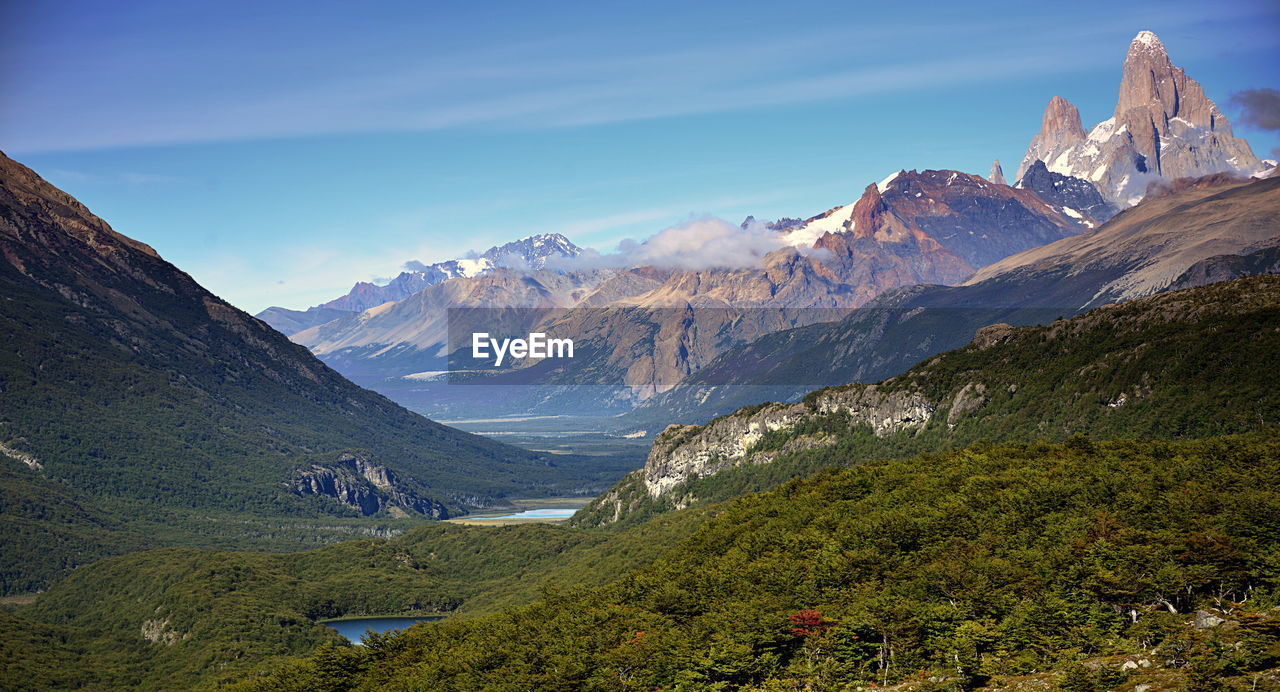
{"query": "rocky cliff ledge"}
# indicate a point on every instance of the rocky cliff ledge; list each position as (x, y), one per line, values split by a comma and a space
(365, 486)
(683, 452)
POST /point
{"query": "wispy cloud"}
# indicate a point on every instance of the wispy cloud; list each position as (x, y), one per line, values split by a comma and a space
(113, 178)
(697, 243)
(562, 82)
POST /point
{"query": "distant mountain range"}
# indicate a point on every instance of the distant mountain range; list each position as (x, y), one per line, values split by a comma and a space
(917, 227)
(529, 253)
(1217, 226)
(913, 228)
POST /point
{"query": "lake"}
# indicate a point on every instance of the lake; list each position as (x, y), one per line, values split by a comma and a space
(354, 628)
(544, 513)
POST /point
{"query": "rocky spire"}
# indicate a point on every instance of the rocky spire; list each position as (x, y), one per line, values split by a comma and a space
(1061, 120)
(1160, 105)
(1060, 129)
(997, 173)
(1151, 82)
(867, 211)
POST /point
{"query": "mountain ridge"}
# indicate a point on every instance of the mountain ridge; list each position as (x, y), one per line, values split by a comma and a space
(531, 252)
(1141, 250)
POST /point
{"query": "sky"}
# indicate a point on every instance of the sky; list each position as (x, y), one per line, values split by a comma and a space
(280, 152)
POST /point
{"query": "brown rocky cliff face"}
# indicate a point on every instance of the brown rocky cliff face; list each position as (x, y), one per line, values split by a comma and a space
(1152, 83)
(955, 222)
(1153, 92)
(1061, 121)
(59, 209)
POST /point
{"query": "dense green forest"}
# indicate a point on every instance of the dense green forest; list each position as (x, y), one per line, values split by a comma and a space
(1021, 561)
(1182, 364)
(991, 564)
(215, 615)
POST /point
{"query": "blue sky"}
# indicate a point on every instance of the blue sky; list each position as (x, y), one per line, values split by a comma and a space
(281, 153)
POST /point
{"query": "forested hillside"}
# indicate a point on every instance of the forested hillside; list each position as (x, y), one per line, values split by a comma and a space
(1087, 565)
(1182, 364)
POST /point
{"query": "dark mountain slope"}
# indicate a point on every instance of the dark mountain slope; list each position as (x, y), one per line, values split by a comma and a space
(124, 379)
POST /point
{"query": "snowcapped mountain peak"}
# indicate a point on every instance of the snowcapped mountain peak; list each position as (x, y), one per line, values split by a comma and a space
(1164, 127)
(528, 254)
(531, 252)
(1146, 40)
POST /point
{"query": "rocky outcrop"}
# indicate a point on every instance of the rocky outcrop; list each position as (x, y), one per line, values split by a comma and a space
(364, 486)
(993, 335)
(158, 631)
(1163, 127)
(970, 398)
(31, 462)
(681, 453)
(1075, 197)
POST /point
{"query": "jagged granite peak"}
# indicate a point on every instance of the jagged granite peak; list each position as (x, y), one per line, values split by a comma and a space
(1076, 197)
(1060, 128)
(1163, 127)
(997, 173)
(1151, 82)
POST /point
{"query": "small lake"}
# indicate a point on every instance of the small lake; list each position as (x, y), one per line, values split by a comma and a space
(354, 628)
(545, 513)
